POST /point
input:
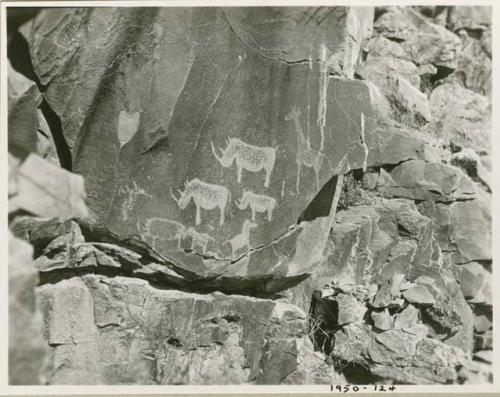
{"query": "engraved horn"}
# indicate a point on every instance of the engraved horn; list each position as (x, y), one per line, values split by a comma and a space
(172, 194)
(219, 158)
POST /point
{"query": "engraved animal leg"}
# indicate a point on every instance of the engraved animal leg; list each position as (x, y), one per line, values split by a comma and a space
(239, 170)
(297, 183)
(221, 219)
(316, 172)
(198, 214)
(269, 214)
(268, 177)
(253, 213)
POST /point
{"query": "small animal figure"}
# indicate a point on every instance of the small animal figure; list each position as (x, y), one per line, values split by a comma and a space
(249, 157)
(162, 229)
(198, 239)
(241, 240)
(257, 203)
(204, 195)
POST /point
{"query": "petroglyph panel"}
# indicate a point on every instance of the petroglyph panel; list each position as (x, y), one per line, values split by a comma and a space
(257, 203)
(200, 115)
(247, 157)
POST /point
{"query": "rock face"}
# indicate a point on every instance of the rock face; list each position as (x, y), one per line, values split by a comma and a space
(27, 349)
(421, 40)
(171, 337)
(469, 124)
(194, 163)
(260, 195)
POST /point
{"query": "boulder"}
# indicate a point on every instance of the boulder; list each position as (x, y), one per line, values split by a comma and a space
(461, 115)
(408, 99)
(385, 60)
(122, 331)
(23, 122)
(46, 190)
(419, 295)
(382, 320)
(349, 309)
(397, 356)
(423, 41)
(474, 64)
(471, 163)
(418, 180)
(28, 363)
(462, 228)
(468, 17)
(482, 323)
(426, 360)
(475, 282)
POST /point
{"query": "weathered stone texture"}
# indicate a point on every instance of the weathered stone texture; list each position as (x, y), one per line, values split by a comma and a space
(171, 337)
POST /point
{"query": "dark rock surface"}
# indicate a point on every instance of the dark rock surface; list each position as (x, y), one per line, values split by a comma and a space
(229, 212)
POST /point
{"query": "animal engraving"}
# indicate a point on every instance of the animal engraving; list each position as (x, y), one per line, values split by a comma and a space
(306, 156)
(241, 240)
(204, 195)
(248, 157)
(198, 239)
(162, 229)
(257, 203)
(132, 194)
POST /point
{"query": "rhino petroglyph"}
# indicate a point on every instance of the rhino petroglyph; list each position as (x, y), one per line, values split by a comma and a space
(249, 157)
(257, 203)
(204, 195)
(305, 157)
(241, 240)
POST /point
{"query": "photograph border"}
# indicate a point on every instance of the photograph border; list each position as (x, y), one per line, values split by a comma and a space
(241, 390)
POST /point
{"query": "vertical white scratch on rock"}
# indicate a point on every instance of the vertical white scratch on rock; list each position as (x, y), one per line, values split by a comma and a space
(323, 89)
(368, 251)
(283, 188)
(363, 142)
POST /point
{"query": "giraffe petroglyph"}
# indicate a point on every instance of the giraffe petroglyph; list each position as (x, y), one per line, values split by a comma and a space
(249, 157)
(257, 203)
(205, 195)
(306, 156)
(241, 240)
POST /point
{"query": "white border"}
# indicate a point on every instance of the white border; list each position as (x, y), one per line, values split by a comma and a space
(295, 389)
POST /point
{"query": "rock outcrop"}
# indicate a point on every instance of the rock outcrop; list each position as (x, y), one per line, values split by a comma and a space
(172, 337)
(261, 195)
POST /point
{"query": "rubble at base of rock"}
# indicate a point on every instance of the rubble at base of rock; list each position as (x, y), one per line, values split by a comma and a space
(259, 195)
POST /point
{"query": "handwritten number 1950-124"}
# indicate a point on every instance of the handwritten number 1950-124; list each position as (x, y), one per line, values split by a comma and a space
(355, 388)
